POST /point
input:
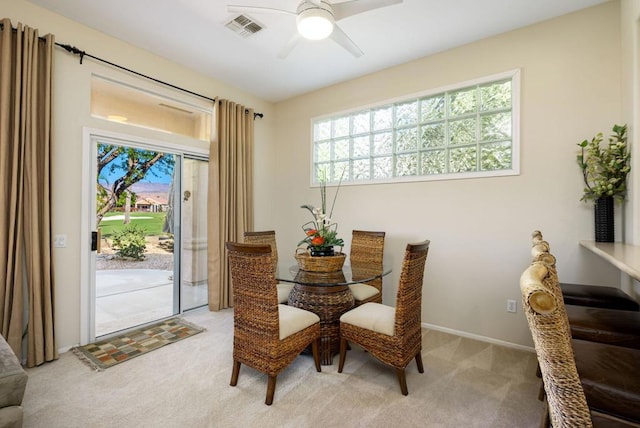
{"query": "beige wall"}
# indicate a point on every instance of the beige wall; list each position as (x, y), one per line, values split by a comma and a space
(71, 114)
(479, 228)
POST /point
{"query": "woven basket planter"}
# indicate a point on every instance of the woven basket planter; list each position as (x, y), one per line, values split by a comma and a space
(310, 263)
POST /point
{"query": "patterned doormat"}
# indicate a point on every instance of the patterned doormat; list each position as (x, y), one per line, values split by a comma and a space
(109, 352)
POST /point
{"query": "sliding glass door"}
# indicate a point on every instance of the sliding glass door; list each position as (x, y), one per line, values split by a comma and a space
(149, 235)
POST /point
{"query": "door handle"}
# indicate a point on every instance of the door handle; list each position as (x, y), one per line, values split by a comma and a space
(95, 240)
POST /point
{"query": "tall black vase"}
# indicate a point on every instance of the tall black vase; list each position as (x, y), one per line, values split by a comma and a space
(604, 219)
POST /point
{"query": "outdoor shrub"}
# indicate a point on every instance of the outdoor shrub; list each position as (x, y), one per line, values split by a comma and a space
(130, 242)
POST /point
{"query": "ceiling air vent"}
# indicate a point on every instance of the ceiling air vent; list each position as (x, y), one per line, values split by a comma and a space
(244, 26)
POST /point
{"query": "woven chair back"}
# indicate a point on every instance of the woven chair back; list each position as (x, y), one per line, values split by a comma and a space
(267, 237)
(255, 298)
(367, 252)
(547, 318)
(409, 297)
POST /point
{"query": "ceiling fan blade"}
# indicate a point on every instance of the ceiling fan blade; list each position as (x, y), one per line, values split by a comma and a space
(353, 7)
(293, 41)
(341, 38)
(235, 8)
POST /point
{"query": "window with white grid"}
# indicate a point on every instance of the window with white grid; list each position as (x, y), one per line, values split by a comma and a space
(462, 131)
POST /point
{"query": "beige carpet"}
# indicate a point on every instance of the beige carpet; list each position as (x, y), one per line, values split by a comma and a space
(466, 384)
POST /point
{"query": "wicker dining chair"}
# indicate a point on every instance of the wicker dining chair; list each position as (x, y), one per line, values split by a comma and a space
(392, 335)
(267, 336)
(269, 237)
(609, 373)
(367, 249)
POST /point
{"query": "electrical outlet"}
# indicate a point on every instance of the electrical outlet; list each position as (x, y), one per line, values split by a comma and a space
(511, 306)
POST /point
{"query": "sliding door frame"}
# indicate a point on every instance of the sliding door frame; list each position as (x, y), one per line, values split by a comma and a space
(87, 260)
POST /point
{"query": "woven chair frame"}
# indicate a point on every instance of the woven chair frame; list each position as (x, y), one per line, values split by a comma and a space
(367, 249)
(267, 237)
(256, 341)
(549, 325)
(406, 343)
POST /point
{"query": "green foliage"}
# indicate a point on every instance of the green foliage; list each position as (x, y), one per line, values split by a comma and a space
(130, 242)
(605, 168)
(151, 222)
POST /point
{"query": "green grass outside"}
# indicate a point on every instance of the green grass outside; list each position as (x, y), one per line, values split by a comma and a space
(152, 226)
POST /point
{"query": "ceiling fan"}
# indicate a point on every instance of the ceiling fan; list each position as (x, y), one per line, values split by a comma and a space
(316, 20)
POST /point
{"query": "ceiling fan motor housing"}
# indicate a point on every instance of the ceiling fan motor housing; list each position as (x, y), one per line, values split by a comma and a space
(315, 21)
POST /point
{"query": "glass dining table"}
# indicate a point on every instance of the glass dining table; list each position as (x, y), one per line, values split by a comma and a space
(327, 294)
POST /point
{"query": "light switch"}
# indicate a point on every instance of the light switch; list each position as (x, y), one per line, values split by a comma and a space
(60, 241)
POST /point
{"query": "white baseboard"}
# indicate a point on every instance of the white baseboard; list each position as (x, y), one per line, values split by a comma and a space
(478, 337)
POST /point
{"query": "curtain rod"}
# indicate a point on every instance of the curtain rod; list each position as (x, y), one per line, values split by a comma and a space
(82, 54)
(74, 50)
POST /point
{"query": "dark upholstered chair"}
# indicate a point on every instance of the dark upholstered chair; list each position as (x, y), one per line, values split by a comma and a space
(612, 326)
(269, 237)
(589, 295)
(585, 382)
(596, 296)
(367, 251)
(595, 323)
(267, 336)
(391, 334)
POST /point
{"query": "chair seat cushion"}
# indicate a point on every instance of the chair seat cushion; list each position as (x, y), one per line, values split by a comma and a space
(293, 320)
(610, 377)
(598, 297)
(611, 326)
(372, 316)
(363, 291)
(284, 288)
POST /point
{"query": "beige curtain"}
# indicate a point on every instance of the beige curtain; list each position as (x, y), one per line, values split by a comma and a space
(230, 200)
(26, 277)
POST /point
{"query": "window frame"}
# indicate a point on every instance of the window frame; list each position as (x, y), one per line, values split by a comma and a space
(512, 75)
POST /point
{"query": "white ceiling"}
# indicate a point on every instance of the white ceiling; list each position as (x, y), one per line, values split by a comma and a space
(193, 33)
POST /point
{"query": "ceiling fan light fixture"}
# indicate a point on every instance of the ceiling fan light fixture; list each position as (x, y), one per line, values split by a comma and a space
(315, 24)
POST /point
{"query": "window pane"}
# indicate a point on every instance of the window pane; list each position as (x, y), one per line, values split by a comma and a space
(462, 102)
(462, 131)
(323, 152)
(432, 108)
(496, 126)
(361, 169)
(383, 167)
(495, 156)
(462, 159)
(361, 123)
(320, 171)
(341, 127)
(407, 164)
(407, 114)
(468, 129)
(361, 147)
(340, 172)
(407, 140)
(433, 135)
(382, 118)
(433, 162)
(496, 96)
(322, 130)
(382, 143)
(341, 149)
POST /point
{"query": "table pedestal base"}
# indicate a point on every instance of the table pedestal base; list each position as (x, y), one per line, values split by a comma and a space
(329, 303)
